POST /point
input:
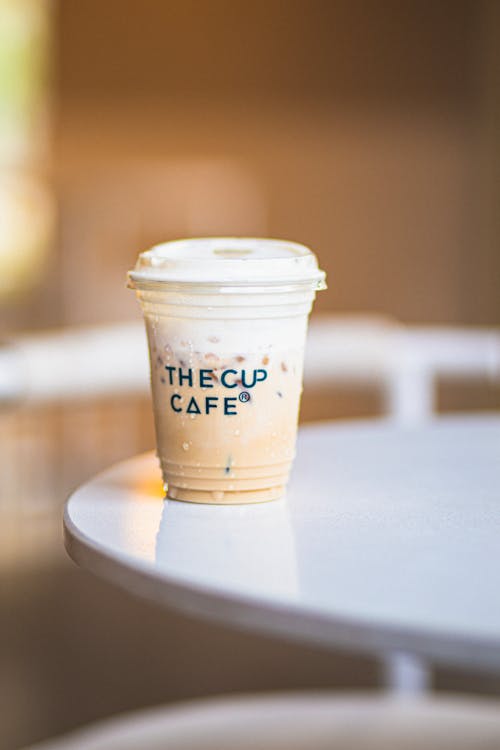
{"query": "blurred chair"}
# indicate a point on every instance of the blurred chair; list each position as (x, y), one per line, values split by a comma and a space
(404, 363)
(294, 721)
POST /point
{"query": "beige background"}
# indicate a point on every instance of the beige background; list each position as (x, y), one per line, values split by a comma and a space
(368, 130)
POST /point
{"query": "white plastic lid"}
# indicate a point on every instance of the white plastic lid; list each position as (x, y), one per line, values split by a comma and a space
(238, 260)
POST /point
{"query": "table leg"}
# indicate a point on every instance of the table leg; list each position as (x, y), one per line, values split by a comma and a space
(405, 673)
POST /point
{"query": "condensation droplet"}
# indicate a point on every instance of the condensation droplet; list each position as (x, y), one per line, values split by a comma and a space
(185, 446)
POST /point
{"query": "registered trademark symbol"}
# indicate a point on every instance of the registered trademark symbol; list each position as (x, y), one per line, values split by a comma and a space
(244, 396)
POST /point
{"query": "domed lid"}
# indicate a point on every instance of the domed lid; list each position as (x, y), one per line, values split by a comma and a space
(235, 260)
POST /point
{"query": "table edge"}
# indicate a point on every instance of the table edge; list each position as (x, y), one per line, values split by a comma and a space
(254, 615)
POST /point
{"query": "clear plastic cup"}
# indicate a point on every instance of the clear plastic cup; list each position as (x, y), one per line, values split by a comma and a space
(226, 320)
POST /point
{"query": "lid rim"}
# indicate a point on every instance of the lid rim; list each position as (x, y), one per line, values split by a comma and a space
(138, 278)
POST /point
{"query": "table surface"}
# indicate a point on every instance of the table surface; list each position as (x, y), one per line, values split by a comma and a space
(388, 540)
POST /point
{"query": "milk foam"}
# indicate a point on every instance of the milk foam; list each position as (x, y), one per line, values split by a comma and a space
(249, 337)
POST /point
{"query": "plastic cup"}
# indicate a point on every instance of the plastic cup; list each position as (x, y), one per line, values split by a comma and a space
(226, 321)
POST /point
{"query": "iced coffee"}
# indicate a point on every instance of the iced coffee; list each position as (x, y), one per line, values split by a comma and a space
(226, 320)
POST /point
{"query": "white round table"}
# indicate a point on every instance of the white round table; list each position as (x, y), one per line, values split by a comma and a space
(388, 542)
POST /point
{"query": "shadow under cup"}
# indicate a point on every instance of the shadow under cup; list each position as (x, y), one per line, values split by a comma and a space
(226, 375)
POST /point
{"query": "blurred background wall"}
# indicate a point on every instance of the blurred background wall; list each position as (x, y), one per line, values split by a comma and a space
(368, 131)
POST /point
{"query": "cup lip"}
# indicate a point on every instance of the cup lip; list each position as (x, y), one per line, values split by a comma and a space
(212, 262)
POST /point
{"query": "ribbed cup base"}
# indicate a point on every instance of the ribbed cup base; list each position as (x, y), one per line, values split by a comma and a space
(225, 497)
(209, 484)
